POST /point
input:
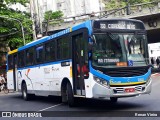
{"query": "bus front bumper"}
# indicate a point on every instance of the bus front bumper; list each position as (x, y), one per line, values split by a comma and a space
(100, 91)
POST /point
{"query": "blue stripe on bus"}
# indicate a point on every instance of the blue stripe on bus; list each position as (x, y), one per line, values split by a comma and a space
(86, 24)
(122, 79)
(45, 64)
(34, 43)
(89, 26)
(7, 62)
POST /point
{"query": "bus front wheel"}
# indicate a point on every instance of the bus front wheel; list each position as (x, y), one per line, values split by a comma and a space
(113, 99)
(70, 96)
(25, 95)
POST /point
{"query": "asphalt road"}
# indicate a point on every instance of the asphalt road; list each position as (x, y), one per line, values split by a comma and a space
(89, 109)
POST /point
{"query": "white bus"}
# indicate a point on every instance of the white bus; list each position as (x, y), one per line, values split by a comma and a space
(105, 58)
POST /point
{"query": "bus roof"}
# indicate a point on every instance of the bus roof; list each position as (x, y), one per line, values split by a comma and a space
(86, 24)
(125, 19)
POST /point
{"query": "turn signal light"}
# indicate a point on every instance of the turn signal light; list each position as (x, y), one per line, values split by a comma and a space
(121, 64)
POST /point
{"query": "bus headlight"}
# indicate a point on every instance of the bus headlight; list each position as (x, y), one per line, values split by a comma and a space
(148, 81)
(101, 81)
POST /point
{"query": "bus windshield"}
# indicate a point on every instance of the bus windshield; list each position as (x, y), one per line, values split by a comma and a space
(119, 49)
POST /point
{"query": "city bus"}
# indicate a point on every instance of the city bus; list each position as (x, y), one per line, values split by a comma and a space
(97, 59)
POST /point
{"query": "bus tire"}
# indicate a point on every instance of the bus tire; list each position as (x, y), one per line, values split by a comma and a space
(25, 95)
(113, 99)
(70, 97)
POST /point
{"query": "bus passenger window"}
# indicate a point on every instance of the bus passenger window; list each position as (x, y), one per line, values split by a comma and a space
(39, 54)
(10, 62)
(50, 51)
(63, 50)
(21, 59)
(30, 56)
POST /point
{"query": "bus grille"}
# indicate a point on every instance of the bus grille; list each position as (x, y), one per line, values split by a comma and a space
(126, 72)
(122, 90)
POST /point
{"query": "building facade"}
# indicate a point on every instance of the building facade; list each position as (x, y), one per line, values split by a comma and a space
(68, 7)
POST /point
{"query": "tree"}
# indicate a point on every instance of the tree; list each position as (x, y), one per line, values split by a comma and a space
(49, 15)
(138, 1)
(114, 4)
(10, 30)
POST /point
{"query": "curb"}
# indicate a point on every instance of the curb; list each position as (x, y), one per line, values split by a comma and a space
(10, 92)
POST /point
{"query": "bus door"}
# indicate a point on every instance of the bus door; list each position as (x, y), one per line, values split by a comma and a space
(15, 71)
(80, 64)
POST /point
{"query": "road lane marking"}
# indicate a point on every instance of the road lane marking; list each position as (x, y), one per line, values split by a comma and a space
(50, 107)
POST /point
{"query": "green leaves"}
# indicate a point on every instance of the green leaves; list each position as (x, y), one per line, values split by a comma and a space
(10, 26)
(49, 15)
(139, 1)
(56, 15)
(3, 30)
(114, 4)
(15, 42)
(22, 2)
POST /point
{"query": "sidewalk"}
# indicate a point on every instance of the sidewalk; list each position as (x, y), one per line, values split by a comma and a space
(10, 92)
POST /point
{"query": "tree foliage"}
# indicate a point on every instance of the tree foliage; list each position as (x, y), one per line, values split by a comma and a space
(10, 30)
(53, 15)
(139, 1)
(113, 4)
(49, 15)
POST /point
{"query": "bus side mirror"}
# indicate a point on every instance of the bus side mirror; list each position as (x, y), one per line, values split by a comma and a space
(90, 46)
(151, 66)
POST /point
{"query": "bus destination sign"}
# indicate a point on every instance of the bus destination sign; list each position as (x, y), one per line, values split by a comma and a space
(121, 24)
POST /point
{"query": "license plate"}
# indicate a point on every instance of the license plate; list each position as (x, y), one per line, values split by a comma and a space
(129, 90)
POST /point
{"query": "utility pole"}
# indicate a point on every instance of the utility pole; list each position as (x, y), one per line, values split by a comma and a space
(39, 17)
(32, 11)
(20, 25)
(100, 3)
(128, 11)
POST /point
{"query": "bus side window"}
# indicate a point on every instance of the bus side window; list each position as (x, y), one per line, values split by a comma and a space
(39, 54)
(63, 49)
(21, 59)
(30, 56)
(10, 62)
(50, 53)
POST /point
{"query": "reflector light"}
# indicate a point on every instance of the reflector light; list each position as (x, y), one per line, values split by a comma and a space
(121, 64)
